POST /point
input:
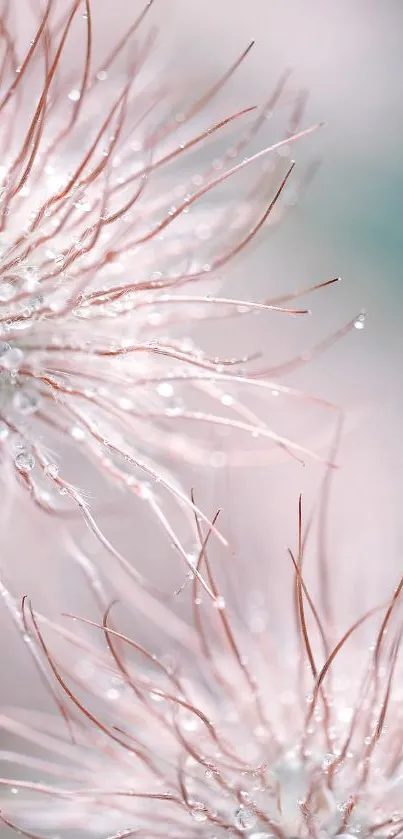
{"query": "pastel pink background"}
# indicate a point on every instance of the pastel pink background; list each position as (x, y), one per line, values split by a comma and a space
(348, 55)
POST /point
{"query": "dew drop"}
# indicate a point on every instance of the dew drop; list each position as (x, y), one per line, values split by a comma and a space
(125, 404)
(165, 389)
(81, 203)
(74, 95)
(24, 461)
(219, 603)
(156, 697)
(113, 693)
(245, 818)
(189, 721)
(51, 470)
(359, 323)
(199, 811)
(77, 432)
(145, 491)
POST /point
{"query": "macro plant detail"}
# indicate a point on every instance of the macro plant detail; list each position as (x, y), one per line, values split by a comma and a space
(104, 262)
(99, 267)
(227, 731)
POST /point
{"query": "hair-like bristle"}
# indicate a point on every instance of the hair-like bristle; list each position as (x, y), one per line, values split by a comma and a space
(220, 727)
(105, 258)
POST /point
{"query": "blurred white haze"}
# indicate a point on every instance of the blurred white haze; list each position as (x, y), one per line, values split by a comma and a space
(348, 56)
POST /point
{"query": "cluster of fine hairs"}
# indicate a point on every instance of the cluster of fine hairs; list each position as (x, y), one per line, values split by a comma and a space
(229, 729)
(103, 265)
(217, 727)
